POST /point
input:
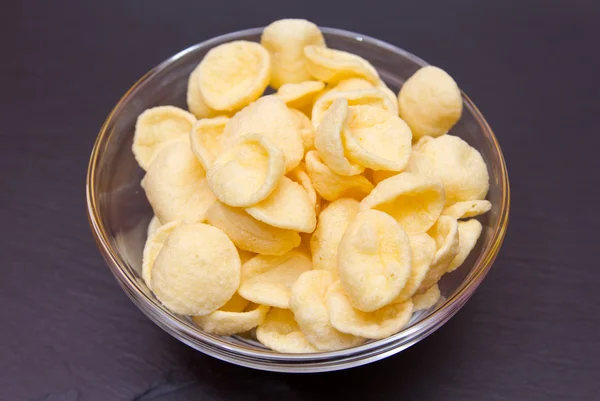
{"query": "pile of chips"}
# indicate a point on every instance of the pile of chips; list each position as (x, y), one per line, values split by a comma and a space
(315, 218)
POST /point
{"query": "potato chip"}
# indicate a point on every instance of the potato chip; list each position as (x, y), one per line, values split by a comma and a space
(248, 172)
(423, 250)
(430, 102)
(225, 322)
(234, 74)
(419, 164)
(353, 84)
(331, 66)
(300, 176)
(310, 311)
(307, 133)
(427, 299)
(466, 209)
(374, 260)
(328, 139)
(468, 234)
(285, 40)
(175, 185)
(157, 127)
(249, 234)
(375, 139)
(205, 138)
(299, 95)
(378, 324)
(415, 201)
(270, 117)
(332, 224)
(332, 186)
(287, 207)
(154, 244)
(363, 97)
(195, 101)
(422, 141)
(197, 270)
(267, 280)
(153, 226)
(460, 167)
(281, 333)
(446, 236)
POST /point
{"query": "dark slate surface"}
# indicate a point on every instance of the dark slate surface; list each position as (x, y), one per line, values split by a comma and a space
(532, 330)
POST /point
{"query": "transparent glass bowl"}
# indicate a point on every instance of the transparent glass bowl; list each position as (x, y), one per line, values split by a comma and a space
(119, 212)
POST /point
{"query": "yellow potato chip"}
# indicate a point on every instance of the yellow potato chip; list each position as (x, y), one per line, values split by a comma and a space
(281, 333)
(234, 74)
(248, 172)
(267, 280)
(153, 226)
(249, 234)
(328, 139)
(466, 209)
(157, 127)
(175, 185)
(460, 167)
(421, 141)
(285, 40)
(446, 236)
(427, 299)
(300, 176)
(378, 324)
(423, 250)
(197, 270)
(270, 117)
(419, 164)
(415, 201)
(430, 102)
(468, 234)
(195, 101)
(332, 224)
(154, 244)
(288, 207)
(307, 133)
(374, 260)
(310, 311)
(331, 66)
(205, 138)
(375, 139)
(332, 186)
(353, 84)
(224, 322)
(299, 95)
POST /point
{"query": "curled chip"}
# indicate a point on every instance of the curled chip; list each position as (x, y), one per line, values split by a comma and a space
(460, 167)
(157, 127)
(197, 270)
(205, 138)
(195, 101)
(247, 172)
(378, 324)
(415, 201)
(249, 234)
(285, 40)
(363, 97)
(468, 234)
(430, 102)
(422, 141)
(175, 185)
(353, 84)
(287, 207)
(375, 139)
(466, 209)
(427, 299)
(310, 311)
(445, 233)
(270, 117)
(307, 133)
(234, 74)
(299, 95)
(300, 176)
(328, 139)
(154, 244)
(236, 316)
(281, 333)
(153, 226)
(331, 66)
(374, 260)
(333, 221)
(267, 280)
(332, 186)
(423, 249)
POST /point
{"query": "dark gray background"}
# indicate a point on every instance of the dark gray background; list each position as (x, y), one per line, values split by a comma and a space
(531, 332)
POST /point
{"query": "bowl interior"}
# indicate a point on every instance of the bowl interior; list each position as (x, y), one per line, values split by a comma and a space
(120, 213)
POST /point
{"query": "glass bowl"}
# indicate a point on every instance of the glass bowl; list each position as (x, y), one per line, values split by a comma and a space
(119, 212)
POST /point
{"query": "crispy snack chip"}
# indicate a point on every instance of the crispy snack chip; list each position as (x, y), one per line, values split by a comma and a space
(300, 176)
(299, 95)
(423, 250)
(205, 138)
(195, 101)
(468, 234)
(331, 66)
(236, 316)
(446, 236)
(153, 226)
(154, 244)
(427, 299)
(466, 209)
(307, 133)
(281, 333)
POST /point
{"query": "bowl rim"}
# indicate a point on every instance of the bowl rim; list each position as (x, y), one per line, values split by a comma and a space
(175, 325)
